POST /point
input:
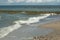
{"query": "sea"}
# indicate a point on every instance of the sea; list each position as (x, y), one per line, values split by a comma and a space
(31, 7)
(23, 26)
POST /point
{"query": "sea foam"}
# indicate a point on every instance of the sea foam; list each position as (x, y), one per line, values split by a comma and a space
(33, 19)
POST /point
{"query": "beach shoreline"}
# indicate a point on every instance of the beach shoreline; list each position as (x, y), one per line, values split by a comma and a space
(33, 30)
(55, 35)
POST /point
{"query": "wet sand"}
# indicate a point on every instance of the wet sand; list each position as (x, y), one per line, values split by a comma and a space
(55, 35)
(54, 25)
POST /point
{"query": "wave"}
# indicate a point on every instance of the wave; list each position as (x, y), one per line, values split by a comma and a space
(6, 30)
(33, 19)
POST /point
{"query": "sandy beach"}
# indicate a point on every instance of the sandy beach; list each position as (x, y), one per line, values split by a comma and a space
(54, 25)
(53, 35)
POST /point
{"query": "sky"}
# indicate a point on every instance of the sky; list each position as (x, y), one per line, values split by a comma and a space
(29, 2)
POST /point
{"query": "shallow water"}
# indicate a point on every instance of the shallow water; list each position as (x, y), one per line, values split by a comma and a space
(24, 25)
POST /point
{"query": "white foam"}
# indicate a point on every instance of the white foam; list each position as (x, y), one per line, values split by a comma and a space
(33, 19)
(6, 30)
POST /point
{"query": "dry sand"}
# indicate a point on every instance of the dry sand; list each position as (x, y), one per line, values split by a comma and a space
(51, 36)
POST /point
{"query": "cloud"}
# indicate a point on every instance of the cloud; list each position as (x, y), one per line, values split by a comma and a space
(28, 1)
(10, 1)
(32, 1)
(19, 0)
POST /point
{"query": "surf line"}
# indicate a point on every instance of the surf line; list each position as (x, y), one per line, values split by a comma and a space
(6, 30)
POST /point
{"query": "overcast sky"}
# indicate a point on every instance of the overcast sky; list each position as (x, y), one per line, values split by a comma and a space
(29, 2)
